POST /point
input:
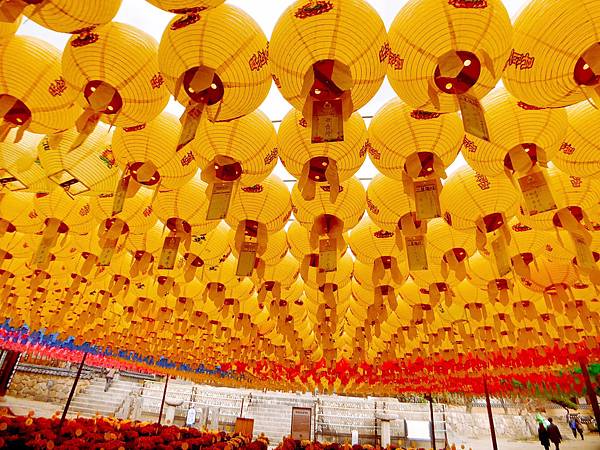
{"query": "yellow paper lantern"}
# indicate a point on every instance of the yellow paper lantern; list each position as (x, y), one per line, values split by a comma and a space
(529, 246)
(20, 168)
(276, 249)
(323, 217)
(578, 154)
(187, 203)
(405, 142)
(521, 136)
(218, 279)
(73, 214)
(387, 204)
(267, 203)
(149, 152)
(243, 149)
(138, 212)
(363, 273)
(300, 242)
(72, 16)
(471, 201)
(212, 247)
(18, 213)
(219, 59)
(484, 274)
(552, 279)
(17, 245)
(554, 59)
(315, 163)
(114, 71)
(273, 279)
(42, 101)
(575, 198)
(90, 169)
(316, 53)
(185, 6)
(369, 243)
(316, 278)
(440, 50)
(449, 248)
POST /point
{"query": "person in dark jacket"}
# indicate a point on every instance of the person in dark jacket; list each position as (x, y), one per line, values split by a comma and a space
(579, 426)
(573, 426)
(544, 438)
(554, 434)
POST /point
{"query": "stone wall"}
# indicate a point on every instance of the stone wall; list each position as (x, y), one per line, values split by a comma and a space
(474, 425)
(44, 388)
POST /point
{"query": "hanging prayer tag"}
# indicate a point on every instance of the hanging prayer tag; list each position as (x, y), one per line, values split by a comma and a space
(220, 197)
(416, 252)
(43, 252)
(427, 200)
(190, 121)
(328, 255)
(107, 253)
(585, 257)
(10, 182)
(536, 193)
(169, 252)
(247, 259)
(473, 117)
(499, 249)
(120, 194)
(327, 121)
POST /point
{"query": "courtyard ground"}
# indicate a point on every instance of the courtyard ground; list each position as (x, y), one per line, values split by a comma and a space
(591, 442)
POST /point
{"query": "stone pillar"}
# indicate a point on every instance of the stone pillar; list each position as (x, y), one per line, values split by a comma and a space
(385, 433)
(170, 415)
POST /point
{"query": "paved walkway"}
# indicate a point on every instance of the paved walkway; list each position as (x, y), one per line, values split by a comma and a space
(22, 406)
(591, 442)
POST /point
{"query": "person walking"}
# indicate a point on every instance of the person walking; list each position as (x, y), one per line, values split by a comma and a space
(579, 427)
(544, 437)
(554, 434)
(573, 426)
(110, 376)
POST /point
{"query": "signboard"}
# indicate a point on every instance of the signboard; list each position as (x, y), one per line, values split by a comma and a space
(245, 427)
(301, 423)
(418, 430)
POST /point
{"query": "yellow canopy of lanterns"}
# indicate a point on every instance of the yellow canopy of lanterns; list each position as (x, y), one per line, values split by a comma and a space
(177, 238)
